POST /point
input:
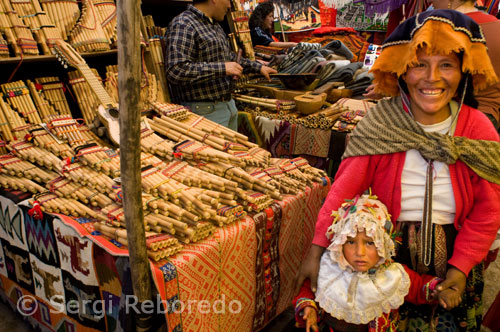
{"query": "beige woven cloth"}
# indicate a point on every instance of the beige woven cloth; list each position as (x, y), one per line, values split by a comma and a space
(388, 129)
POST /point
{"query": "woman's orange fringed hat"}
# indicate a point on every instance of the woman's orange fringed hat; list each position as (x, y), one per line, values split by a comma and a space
(443, 31)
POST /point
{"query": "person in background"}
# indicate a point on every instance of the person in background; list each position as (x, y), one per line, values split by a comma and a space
(433, 160)
(360, 287)
(200, 66)
(261, 27)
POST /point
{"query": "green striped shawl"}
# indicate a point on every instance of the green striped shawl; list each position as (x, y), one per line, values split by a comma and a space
(388, 129)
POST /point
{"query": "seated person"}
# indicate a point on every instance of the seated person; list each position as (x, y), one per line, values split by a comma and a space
(359, 286)
(261, 27)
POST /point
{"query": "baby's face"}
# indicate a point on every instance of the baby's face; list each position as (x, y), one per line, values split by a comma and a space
(360, 252)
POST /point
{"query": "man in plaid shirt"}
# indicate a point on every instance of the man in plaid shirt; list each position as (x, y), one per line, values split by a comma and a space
(201, 68)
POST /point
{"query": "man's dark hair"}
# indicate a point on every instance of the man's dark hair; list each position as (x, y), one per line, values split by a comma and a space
(198, 1)
(259, 14)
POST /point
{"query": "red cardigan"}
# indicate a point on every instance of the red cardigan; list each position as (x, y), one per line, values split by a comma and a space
(477, 200)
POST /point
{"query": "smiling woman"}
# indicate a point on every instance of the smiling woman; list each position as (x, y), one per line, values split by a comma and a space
(431, 84)
(433, 159)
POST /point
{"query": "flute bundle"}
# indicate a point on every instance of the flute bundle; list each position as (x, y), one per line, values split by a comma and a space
(63, 13)
(88, 177)
(154, 37)
(188, 148)
(21, 36)
(316, 173)
(22, 184)
(68, 129)
(9, 120)
(159, 246)
(51, 203)
(3, 147)
(200, 122)
(12, 165)
(274, 104)
(40, 24)
(87, 35)
(174, 111)
(4, 48)
(86, 98)
(9, 34)
(53, 90)
(106, 12)
(43, 138)
(28, 151)
(67, 188)
(42, 104)
(18, 96)
(150, 142)
(149, 86)
(103, 160)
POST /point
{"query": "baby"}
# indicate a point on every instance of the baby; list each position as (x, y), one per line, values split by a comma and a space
(359, 286)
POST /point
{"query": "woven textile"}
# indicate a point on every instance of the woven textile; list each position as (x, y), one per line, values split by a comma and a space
(217, 271)
(315, 142)
(54, 261)
(299, 215)
(69, 258)
(387, 129)
(246, 126)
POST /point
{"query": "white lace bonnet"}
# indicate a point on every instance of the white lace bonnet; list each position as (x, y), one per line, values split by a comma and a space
(361, 213)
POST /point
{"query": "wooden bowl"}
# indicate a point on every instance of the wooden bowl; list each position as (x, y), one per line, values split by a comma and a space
(296, 81)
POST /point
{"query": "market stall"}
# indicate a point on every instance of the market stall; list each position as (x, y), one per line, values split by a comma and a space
(249, 264)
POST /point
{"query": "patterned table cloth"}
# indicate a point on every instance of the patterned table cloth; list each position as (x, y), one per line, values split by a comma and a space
(236, 280)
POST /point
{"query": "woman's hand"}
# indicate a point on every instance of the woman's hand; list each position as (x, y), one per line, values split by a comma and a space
(310, 268)
(455, 280)
(449, 298)
(311, 318)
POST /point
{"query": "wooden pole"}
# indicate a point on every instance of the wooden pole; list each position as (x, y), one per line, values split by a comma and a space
(129, 79)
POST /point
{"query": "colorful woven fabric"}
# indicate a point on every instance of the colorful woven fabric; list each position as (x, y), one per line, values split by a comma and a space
(216, 279)
(246, 126)
(315, 142)
(299, 215)
(54, 261)
(218, 271)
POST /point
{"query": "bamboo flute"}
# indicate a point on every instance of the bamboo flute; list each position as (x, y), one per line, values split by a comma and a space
(19, 183)
(5, 125)
(18, 125)
(7, 30)
(19, 98)
(42, 105)
(21, 168)
(23, 35)
(88, 35)
(28, 151)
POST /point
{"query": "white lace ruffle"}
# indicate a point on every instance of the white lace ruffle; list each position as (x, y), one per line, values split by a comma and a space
(359, 298)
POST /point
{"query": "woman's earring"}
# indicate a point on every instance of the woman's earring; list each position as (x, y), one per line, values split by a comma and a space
(449, 4)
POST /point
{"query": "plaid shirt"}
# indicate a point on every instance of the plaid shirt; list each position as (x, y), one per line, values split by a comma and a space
(196, 51)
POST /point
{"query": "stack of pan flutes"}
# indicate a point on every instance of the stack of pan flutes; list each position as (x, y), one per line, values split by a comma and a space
(196, 174)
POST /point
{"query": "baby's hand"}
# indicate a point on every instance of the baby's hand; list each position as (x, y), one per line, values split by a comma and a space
(449, 298)
(311, 318)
